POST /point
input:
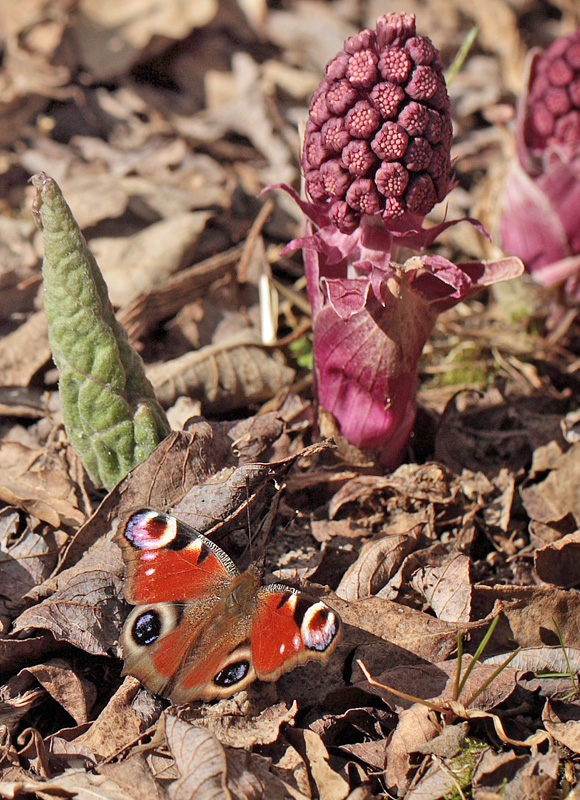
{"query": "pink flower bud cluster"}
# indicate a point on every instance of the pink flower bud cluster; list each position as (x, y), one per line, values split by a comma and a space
(554, 97)
(379, 131)
(540, 207)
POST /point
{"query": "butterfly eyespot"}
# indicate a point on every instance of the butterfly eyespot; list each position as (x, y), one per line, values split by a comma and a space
(146, 628)
(232, 674)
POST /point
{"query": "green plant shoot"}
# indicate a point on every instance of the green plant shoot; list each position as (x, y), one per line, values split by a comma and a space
(110, 412)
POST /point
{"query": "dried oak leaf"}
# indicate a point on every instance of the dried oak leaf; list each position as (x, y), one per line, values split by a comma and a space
(132, 264)
(526, 615)
(201, 761)
(75, 694)
(558, 563)
(235, 373)
(86, 612)
(558, 494)
(246, 720)
(31, 338)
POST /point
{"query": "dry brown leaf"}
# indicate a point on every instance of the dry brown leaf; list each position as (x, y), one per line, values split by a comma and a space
(26, 559)
(201, 761)
(560, 723)
(75, 694)
(447, 588)
(247, 114)
(86, 613)
(436, 682)
(77, 783)
(559, 563)
(559, 493)
(526, 615)
(415, 728)
(232, 374)
(132, 264)
(517, 778)
(431, 482)
(111, 36)
(403, 635)
(31, 71)
(30, 338)
(43, 489)
(134, 777)
(330, 785)
(117, 725)
(244, 721)
(377, 563)
(167, 298)
(19, 277)
(182, 460)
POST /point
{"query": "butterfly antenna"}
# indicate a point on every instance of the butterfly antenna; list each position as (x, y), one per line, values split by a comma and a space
(249, 517)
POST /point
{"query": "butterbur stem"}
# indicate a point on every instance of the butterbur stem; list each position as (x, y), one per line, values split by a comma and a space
(110, 413)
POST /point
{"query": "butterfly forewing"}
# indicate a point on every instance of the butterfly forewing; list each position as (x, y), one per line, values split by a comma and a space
(167, 561)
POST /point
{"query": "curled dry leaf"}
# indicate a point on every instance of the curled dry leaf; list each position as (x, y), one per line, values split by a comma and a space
(233, 374)
(559, 563)
(68, 689)
(201, 761)
(376, 564)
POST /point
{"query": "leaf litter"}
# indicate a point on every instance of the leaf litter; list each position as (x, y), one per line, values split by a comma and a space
(162, 127)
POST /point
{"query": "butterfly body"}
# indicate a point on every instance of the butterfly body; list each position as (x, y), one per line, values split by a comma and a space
(201, 629)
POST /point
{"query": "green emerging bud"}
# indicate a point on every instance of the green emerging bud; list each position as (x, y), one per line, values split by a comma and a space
(110, 413)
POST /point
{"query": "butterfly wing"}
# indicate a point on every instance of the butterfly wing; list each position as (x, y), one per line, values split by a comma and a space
(178, 579)
(289, 628)
(167, 561)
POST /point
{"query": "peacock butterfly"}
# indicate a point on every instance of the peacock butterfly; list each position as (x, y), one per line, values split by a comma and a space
(202, 629)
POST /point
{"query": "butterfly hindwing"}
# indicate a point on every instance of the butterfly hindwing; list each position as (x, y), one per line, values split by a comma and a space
(289, 628)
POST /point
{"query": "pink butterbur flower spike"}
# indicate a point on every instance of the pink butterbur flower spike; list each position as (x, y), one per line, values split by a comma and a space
(376, 159)
(540, 217)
